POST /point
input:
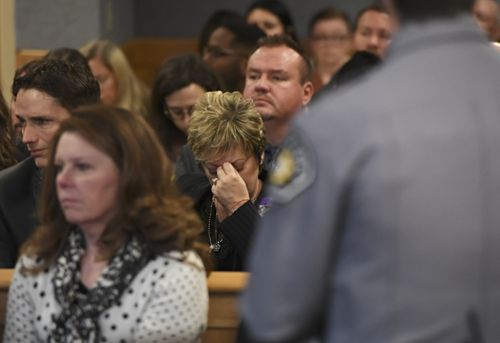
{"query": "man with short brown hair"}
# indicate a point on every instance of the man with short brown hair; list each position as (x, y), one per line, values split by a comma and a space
(45, 92)
(278, 80)
(373, 30)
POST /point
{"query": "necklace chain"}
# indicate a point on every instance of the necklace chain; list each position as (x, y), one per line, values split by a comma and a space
(216, 245)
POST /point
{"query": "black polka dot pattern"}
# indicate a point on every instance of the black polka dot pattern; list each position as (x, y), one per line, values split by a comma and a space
(166, 302)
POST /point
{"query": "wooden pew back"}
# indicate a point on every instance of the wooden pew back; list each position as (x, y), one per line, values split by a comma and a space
(144, 54)
(224, 289)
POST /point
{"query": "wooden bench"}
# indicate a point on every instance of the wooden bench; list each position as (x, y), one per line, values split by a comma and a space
(224, 289)
(146, 54)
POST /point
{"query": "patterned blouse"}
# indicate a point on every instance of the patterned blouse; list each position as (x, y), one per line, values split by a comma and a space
(166, 302)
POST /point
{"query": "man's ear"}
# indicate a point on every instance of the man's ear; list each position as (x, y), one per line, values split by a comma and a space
(307, 92)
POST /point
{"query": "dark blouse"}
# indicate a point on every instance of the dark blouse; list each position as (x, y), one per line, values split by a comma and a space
(231, 239)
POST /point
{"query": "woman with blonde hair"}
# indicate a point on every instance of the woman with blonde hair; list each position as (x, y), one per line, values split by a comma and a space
(115, 257)
(226, 135)
(119, 85)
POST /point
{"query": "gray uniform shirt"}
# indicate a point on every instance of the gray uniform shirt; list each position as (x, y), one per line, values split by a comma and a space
(389, 230)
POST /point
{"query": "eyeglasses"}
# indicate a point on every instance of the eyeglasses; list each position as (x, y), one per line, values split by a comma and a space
(218, 52)
(178, 112)
(336, 38)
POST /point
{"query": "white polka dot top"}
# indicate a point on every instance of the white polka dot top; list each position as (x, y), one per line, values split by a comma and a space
(166, 302)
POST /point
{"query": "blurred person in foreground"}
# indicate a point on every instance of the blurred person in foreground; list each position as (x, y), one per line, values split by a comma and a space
(389, 230)
(114, 257)
(226, 135)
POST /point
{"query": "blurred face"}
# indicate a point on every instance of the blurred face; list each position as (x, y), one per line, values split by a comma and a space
(226, 61)
(266, 21)
(39, 116)
(373, 33)
(107, 81)
(330, 41)
(87, 182)
(246, 165)
(179, 105)
(486, 14)
(273, 82)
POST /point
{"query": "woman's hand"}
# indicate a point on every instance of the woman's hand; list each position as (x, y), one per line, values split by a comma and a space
(229, 190)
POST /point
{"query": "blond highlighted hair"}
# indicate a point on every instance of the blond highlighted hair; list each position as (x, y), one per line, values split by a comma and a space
(222, 122)
(133, 95)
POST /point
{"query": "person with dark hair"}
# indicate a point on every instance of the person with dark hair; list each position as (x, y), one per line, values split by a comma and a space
(228, 49)
(69, 55)
(388, 230)
(180, 81)
(272, 17)
(44, 93)
(114, 256)
(7, 153)
(358, 66)
(330, 43)
(373, 30)
(210, 25)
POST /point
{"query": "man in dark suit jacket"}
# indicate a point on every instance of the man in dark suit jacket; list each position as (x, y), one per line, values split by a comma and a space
(45, 93)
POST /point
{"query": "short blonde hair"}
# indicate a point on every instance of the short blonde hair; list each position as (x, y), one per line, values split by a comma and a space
(133, 95)
(222, 122)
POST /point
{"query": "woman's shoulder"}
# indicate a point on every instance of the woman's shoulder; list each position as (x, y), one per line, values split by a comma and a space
(22, 274)
(26, 262)
(177, 261)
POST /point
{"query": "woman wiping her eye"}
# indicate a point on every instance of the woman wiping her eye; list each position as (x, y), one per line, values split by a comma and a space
(226, 135)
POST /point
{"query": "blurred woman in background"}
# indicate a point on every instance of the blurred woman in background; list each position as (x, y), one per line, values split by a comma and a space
(119, 85)
(272, 17)
(180, 82)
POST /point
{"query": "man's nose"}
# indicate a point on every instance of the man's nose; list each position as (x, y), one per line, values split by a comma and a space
(374, 41)
(262, 84)
(29, 134)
